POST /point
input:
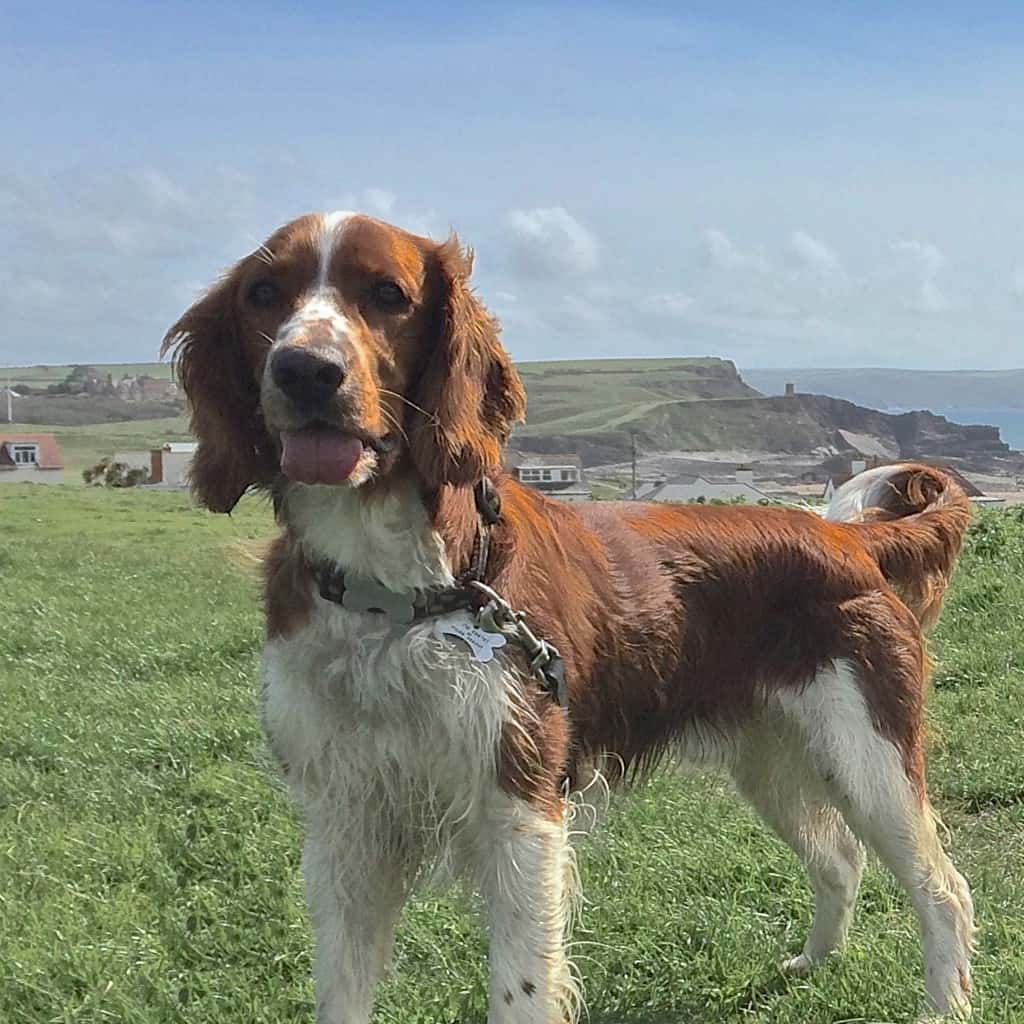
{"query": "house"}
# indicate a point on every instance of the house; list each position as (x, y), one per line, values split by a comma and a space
(689, 487)
(171, 463)
(558, 476)
(145, 388)
(30, 457)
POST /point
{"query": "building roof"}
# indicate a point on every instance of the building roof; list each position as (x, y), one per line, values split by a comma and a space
(690, 488)
(49, 451)
(536, 460)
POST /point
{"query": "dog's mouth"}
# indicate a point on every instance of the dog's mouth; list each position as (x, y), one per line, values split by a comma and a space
(325, 455)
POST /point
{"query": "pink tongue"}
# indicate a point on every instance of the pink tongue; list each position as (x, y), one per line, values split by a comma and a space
(320, 456)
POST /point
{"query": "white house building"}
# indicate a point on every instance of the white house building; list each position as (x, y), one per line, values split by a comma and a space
(691, 487)
(166, 466)
(172, 462)
(558, 476)
(33, 458)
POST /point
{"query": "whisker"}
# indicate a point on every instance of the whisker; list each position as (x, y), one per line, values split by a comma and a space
(265, 336)
(419, 408)
(392, 421)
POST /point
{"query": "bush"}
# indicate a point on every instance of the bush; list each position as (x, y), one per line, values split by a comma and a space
(107, 473)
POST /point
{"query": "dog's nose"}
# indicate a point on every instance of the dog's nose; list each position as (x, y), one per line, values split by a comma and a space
(306, 378)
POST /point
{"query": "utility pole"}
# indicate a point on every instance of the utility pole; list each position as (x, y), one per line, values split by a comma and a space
(10, 396)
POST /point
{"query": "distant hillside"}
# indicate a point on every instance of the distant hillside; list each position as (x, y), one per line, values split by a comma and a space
(596, 408)
(602, 394)
(802, 425)
(902, 389)
(563, 396)
(967, 396)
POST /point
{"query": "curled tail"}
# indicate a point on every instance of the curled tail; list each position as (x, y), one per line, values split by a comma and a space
(912, 519)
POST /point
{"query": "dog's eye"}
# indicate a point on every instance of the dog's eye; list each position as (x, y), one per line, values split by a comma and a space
(388, 297)
(264, 294)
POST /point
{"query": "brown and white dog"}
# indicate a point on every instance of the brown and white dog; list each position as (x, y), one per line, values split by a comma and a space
(346, 368)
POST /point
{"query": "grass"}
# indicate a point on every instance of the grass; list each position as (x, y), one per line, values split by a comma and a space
(149, 860)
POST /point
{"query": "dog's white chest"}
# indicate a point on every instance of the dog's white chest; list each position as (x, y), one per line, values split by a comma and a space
(358, 711)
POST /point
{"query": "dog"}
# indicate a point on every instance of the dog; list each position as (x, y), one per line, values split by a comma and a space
(449, 653)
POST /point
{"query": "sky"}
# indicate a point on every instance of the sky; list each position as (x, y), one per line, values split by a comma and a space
(783, 184)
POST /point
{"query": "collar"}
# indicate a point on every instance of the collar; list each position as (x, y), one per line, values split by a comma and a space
(359, 593)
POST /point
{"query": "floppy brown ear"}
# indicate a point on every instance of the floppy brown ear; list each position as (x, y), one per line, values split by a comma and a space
(469, 393)
(223, 395)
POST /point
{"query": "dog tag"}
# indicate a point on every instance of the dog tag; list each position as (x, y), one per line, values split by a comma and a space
(462, 625)
(366, 595)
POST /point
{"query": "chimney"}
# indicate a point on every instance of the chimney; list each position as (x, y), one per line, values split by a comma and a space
(858, 466)
(745, 475)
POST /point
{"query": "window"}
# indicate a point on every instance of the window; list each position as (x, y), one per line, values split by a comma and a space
(568, 474)
(529, 475)
(545, 474)
(25, 454)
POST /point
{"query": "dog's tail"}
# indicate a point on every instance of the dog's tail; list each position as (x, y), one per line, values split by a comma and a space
(912, 519)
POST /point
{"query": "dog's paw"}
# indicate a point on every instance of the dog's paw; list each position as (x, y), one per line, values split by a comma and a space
(799, 965)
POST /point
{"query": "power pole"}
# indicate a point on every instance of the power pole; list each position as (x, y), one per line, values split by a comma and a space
(10, 403)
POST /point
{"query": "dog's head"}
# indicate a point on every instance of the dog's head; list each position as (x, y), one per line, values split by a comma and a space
(342, 348)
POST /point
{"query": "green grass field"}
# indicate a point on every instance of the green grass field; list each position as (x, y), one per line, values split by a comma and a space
(149, 860)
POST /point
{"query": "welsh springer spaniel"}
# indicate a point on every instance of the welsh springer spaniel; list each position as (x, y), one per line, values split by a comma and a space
(346, 368)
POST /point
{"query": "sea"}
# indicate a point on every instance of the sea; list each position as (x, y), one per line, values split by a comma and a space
(1009, 421)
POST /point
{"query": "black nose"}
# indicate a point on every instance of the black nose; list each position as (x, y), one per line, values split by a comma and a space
(306, 378)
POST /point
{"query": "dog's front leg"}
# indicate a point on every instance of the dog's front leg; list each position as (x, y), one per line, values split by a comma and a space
(528, 888)
(355, 898)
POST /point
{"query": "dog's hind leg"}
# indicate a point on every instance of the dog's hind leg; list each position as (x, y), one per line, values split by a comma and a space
(774, 776)
(878, 784)
(527, 875)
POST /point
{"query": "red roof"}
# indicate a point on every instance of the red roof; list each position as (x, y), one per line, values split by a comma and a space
(49, 451)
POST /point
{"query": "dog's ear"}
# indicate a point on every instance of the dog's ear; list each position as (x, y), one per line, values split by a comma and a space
(469, 395)
(223, 395)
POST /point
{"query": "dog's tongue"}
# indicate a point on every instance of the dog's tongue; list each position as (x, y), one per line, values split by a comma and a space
(320, 456)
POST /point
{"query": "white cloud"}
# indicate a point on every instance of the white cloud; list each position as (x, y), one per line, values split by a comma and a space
(101, 263)
(1017, 283)
(670, 305)
(814, 255)
(721, 253)
(549, 241)
(929, 257)
(380, 202)
(384, 205)
(925, 262)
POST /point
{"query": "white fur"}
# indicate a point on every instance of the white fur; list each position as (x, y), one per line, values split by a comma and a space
(853, 776)
(317, 308)
(386, 537)
(389, 739)
(319, 304)
(331, 227)
(528, 885)
(861, 493)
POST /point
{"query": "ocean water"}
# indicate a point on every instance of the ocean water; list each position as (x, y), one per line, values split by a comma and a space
(1009, 421)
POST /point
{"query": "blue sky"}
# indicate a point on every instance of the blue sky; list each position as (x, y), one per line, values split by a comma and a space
(782, 184)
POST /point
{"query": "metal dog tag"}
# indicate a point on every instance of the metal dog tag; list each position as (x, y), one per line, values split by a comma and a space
(366, 595)
(462, 624)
